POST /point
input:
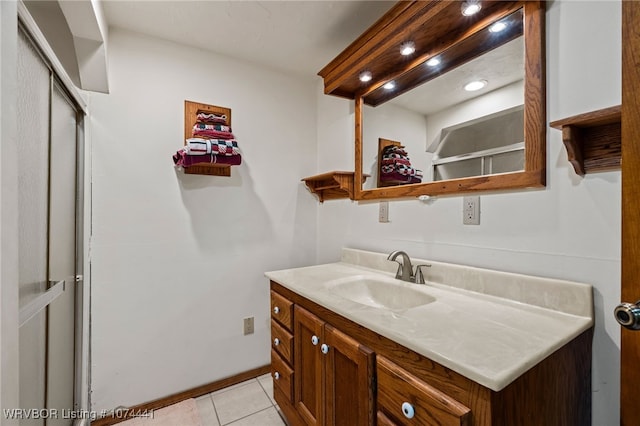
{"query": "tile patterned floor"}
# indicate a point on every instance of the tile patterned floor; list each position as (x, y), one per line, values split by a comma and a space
(245, 404)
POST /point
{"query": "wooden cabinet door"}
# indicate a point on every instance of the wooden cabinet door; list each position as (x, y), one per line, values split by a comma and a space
(308, 366)
(349, 370)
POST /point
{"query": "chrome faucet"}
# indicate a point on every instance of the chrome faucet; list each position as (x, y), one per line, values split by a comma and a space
(405, 270)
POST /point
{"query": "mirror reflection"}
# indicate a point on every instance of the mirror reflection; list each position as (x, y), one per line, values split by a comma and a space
(439, 130)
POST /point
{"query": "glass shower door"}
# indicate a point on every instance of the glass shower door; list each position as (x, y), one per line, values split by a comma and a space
(33, 200)
(62, 258)
(47, 249)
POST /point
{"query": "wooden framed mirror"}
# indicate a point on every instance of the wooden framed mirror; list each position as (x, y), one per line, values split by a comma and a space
(495, 141)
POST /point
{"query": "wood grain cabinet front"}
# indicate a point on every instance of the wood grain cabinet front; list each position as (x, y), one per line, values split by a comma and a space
(308, 391)
(282, 375)
(282, 348)
(349, 380)
(282, 310)
(332, 378)
(333, 374)
(403, 399)
(282, 341)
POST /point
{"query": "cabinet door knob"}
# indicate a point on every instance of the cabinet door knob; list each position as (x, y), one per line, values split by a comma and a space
(315, 340)
(324, 348)
(276, 310)
(276, 341)
(276, 375)
(407, 410)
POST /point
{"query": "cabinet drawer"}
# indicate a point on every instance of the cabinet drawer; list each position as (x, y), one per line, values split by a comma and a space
(407, 400)
(282, 375)
(384, 420)
(282, 341)
(281, 310)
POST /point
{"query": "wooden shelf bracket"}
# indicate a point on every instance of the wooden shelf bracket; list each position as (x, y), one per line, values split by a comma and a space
(331, 185)
(592, 140)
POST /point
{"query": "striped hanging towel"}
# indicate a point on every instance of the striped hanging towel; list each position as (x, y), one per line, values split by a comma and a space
(197, 146)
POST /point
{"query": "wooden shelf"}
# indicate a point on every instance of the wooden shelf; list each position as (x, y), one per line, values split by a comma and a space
(191, 110)
(331, 185)
(592, 140)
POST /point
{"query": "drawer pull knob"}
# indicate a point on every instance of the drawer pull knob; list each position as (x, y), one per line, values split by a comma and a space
(276, 341)
(324, 348)
(276, 375)
(276, 310)
(407, 410)
(315, 340)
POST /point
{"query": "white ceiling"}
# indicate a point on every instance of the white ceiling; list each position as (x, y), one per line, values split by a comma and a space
(499, 67)
(299, 37)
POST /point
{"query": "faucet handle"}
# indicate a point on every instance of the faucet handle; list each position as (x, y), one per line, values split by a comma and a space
(419, 276)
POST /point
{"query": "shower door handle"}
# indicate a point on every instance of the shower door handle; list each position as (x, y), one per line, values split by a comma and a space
(40, 302)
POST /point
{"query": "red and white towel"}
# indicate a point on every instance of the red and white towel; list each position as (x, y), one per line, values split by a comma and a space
(212, 134)
(197, 146)
(204, 117)
(395, 166)
(181, 158)
(209, 126)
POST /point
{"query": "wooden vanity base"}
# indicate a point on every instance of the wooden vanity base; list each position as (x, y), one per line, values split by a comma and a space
(555, 392)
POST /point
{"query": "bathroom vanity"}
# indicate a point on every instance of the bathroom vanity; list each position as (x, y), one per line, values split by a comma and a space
(353, 345)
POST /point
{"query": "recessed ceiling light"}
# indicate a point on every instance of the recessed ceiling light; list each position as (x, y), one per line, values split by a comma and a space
(433, 62)
(497, 27)
(472, 86)
(407, 48)
(390, 85)
(365, 76)
(470, 7)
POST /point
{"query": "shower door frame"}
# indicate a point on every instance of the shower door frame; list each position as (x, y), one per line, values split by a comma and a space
(81, 351)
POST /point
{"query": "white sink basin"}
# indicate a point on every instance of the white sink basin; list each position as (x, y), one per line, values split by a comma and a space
(379, 293)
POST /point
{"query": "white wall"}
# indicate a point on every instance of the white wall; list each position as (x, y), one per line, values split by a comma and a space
(569, 230)
(177, 261)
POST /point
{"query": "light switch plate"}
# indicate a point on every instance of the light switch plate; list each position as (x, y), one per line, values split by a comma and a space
(248, 325)
(383, 213)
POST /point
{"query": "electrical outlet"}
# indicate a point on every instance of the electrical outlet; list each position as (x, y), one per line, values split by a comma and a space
(383, 213)
(471, 210)
(248, 326)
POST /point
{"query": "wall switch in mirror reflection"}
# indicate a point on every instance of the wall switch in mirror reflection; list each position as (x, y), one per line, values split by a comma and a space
(383, 213)
(471, 210)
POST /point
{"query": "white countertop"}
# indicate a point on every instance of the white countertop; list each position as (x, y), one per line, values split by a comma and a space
(491, 334)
